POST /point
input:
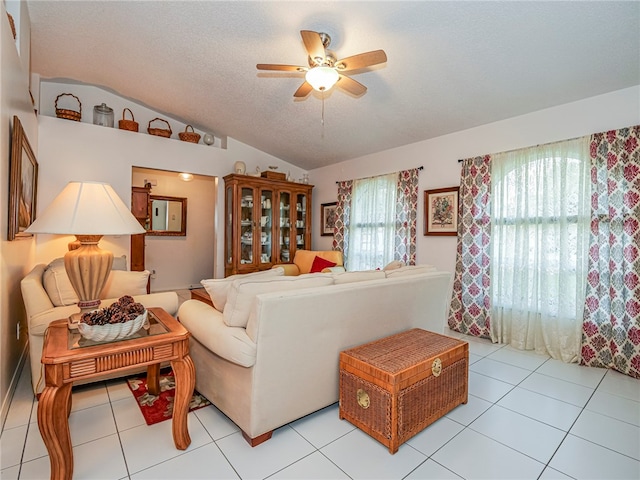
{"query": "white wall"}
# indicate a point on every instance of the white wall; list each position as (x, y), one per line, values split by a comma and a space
(16, 256)
(440, 156)
(82, 151)
(181, 262)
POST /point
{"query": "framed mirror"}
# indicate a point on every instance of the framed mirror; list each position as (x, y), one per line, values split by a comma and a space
(167, 216)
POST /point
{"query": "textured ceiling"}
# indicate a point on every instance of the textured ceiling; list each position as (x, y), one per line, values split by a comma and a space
(451, 65)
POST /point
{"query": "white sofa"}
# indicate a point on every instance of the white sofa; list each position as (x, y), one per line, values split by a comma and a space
(284, 363)
(41, 310)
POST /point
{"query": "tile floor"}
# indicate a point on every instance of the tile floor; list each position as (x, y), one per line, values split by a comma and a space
(528, 416)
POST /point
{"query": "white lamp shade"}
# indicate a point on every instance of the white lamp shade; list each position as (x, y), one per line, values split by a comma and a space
(322, 78)
(87, 208)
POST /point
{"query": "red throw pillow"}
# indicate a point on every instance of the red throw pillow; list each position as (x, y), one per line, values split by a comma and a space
(320, 264)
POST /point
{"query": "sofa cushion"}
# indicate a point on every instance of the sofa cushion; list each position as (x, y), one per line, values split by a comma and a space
(359, 276)
(218, 288)
(410, 270)
(242, 293)
(320, 264)
(58, 286)
(304, 258)
(122, 283)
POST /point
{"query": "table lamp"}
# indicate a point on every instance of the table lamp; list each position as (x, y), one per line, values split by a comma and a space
(87, 210)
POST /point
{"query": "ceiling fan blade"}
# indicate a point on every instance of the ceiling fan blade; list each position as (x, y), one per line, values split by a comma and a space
(361, 60)
(303, 90)
(350, 85)
(284, 68)
(313, 44)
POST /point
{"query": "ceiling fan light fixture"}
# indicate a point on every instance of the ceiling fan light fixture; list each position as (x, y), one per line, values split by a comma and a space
(322, 78)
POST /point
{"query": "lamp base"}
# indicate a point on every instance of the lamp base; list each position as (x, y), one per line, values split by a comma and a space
(88, 268)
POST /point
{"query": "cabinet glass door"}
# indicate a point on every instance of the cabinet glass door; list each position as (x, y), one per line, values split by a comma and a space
(285, 226)
(266, 226)
(229, 227)
(247, 223)
(301, 221)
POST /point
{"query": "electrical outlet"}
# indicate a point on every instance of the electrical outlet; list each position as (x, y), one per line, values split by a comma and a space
(153, 273)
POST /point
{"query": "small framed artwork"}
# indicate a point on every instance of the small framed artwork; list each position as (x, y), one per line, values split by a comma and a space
(327, 218)
(23, 183)
(441, 211)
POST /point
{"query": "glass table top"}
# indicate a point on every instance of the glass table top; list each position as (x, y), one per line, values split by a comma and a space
(153, 327)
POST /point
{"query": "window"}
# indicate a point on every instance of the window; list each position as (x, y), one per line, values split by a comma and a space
(539, 237)
(372, 222)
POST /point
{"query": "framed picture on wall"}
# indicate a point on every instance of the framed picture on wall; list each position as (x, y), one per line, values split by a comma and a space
(441, 211)
(327, 218)
(23, 183)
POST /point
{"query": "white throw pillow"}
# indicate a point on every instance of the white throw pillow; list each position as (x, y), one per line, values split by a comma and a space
(218, 288)
(242, 293)
(394, 265)
(122, 283)
(358, 276)
(410, 270)
(57, 284)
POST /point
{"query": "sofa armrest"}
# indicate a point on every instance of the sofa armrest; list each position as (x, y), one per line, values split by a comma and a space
(206, 325)
(34, 295)
(290, 269)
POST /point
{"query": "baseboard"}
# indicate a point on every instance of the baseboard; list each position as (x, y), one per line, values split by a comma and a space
(6, 402)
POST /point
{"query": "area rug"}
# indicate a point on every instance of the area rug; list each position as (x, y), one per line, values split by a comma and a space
(157, 408)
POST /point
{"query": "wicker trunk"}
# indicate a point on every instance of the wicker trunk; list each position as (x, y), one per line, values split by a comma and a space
(394, 387)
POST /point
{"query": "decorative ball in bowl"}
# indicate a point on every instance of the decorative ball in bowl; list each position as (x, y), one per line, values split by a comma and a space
(115, 322)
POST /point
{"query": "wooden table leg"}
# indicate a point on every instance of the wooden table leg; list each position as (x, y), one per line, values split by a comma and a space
(185, 375)
(153, 379)
(53, 422)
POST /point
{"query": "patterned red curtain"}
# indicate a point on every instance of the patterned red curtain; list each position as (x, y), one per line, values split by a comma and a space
(471, 303)
(343, 212)
(611, 327)
(406, 216)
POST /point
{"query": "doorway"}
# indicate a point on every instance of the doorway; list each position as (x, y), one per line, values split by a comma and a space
(179, 262)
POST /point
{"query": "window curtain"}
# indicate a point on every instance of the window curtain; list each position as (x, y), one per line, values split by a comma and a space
(406, 217)
(343, 212)
(539, 237)
(372, 222)
(470, 306)
(611, 330)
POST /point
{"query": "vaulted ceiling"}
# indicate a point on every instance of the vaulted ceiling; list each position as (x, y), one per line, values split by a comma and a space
(452, 65)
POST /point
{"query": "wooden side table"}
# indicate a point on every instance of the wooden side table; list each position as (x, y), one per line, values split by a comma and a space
(202, 295)
(67, 357)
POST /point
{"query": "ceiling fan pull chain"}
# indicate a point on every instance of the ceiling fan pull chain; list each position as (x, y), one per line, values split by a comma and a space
(322, 121)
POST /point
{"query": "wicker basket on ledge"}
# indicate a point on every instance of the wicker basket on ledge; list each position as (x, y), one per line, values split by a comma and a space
(69, 114)
(160, 132)
(189, 136)
(126, 124)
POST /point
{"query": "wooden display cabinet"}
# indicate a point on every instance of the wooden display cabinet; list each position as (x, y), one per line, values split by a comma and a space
(266, 221)
(140, 210)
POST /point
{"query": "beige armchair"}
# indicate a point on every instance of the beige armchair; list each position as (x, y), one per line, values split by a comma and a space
(303, 261)
(41, 311)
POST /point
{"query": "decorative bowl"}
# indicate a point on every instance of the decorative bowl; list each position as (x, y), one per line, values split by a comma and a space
(112, 331)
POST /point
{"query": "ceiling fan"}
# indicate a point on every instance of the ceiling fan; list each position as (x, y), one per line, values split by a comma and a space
(324, 71)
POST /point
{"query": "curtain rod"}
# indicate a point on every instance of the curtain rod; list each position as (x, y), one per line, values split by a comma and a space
(417, 168)
(530, 146)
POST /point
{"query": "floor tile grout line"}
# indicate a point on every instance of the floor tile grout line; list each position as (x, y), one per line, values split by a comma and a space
(115, 421)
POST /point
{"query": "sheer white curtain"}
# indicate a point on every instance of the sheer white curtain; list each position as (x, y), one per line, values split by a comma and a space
(540, 234)
(372, 222)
